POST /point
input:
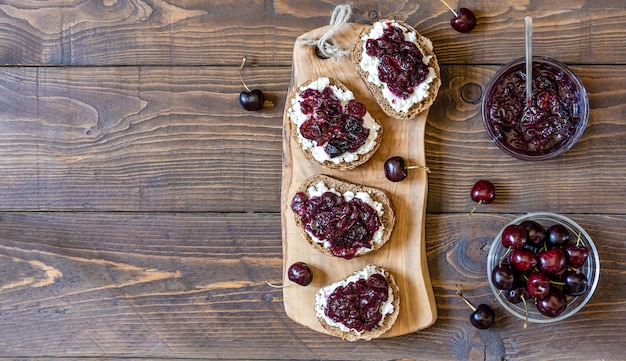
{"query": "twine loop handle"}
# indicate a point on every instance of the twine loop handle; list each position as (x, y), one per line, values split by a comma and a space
(340, 16)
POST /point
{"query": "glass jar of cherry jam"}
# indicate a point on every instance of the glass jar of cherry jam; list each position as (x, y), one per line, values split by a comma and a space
(550, 124)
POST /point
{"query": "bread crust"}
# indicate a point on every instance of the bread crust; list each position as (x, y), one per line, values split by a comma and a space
(426, 47)
(387, 321)
(388, 218)
(343, 165)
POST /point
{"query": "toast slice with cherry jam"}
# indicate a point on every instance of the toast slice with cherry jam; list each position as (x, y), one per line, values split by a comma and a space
(341, 218)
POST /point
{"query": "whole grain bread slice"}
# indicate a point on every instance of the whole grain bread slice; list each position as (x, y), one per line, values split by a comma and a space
(343, 165)
(388, 218)
(426, 47)
(351, 335)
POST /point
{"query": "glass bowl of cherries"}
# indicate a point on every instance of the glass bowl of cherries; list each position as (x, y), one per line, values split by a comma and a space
(543, 267)
(546, 126)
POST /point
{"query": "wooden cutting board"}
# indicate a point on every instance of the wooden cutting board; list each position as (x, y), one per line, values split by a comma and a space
(405, 253)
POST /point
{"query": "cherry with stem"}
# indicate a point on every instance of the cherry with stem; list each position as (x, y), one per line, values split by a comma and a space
(482, 316)
(577, 254)
(463, 21)
(518, 294)
(396, 168)
(514, 236)
(483, 192)
(250, 99)
(525, 309)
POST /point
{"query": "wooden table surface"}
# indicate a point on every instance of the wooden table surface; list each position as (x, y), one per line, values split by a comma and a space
(140, 205)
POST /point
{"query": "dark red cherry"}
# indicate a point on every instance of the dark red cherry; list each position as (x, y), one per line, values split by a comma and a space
(536, 233)
(518, 293)
(558, 276)
(464, 21)
(538, 285)
(552, 261)
(522, 259)
(300, 273)
(483, 191)
(576, 255)
(396, 168)
(557, 235)
(553, 304)
(482, 316)
(575, 283)
(514, 236)
(252, 100)
(503, 277)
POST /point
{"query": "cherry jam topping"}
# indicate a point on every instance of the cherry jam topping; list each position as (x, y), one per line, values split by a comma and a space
(547, 122)
(400, 61)
(339, 129)
(347, 225)
(357, 305)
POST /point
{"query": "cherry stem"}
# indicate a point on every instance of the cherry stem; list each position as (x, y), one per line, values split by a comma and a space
(277, 286)
(498, 295)
(449, 7)
(578, 240)
(458, 292)
(508, 250)
(243, 62)
(526, 308)
(418, 167)
(475, 207)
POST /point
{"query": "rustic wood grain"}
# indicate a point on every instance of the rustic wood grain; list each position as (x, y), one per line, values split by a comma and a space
(194, 32)
(181, 285)
(175, 139)
(132, 139)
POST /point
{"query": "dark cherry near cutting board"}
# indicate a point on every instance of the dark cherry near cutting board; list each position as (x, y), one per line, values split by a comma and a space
(140, 206)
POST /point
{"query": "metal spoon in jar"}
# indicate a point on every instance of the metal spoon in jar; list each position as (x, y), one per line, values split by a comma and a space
(528, 35)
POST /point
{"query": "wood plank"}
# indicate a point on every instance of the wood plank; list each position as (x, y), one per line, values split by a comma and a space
(138, 139)
(170, 138)
(195, 32)
(164, 285)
